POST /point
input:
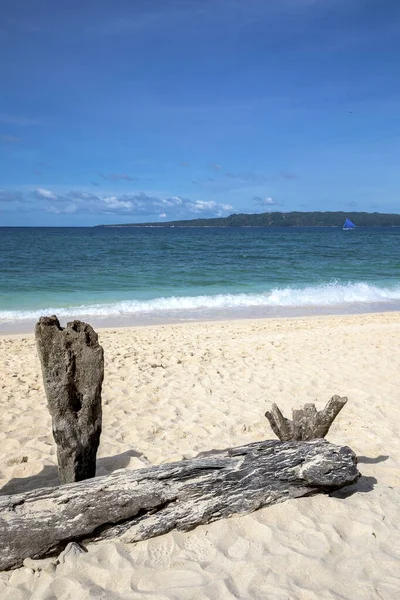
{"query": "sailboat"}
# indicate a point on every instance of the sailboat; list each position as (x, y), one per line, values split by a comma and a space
(348, 225)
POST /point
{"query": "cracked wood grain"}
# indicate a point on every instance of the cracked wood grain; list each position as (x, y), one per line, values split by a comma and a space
(137, 505)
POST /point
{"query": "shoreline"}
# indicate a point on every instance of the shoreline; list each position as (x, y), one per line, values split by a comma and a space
(280, 325)
(210, 316)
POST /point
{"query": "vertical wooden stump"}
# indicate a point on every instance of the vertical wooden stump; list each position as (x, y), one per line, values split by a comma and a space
(73, 369)
(308, 423)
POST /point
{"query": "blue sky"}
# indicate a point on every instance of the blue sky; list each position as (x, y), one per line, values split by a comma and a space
(136, 110)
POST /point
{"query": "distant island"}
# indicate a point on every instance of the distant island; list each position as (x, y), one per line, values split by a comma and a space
(281, 219)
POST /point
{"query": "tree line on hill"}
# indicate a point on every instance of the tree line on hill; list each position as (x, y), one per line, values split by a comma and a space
(281, 219)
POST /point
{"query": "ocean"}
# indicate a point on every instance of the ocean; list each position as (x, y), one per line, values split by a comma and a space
(120, 276)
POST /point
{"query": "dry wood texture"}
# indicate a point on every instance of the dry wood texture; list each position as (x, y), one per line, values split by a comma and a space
(73, 370)
(307, 423)
(152, 501)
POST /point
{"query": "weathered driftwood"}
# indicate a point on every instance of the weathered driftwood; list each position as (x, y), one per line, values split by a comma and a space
(152, 501)
(307, 424)
(73, 369)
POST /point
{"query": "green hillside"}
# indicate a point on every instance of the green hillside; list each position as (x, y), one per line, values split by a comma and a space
(280, 219)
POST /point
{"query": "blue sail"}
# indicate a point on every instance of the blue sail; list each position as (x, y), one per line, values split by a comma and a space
(348, 224)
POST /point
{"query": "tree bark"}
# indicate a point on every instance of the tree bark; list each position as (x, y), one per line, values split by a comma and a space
(141, 504)
(307, 423)
(73, 370)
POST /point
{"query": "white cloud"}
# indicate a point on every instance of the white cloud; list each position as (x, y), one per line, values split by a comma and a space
(265, 201)
(209, 206)
(268, 202)
(47, 194)
(114, 203)
(201, 205)
(173, 201)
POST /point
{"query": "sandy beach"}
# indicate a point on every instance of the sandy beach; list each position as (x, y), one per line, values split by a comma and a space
(172, 391)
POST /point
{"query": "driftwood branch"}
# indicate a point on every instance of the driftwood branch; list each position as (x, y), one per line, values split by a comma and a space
(307, 423)
(152, 501)
(73, 369)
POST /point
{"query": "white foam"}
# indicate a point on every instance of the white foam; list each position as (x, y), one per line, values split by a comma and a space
(329, 294)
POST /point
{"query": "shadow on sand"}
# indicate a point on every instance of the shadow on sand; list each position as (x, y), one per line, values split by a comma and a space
(48, 477)
(364, 484)
(367, 460)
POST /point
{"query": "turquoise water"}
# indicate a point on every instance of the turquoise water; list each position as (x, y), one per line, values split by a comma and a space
(191, 272)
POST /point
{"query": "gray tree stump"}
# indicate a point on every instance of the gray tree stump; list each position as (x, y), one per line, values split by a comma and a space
(307, 423)
(142, 504)
(73, 370)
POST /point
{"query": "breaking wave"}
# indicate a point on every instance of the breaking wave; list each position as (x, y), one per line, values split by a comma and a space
(329, 294)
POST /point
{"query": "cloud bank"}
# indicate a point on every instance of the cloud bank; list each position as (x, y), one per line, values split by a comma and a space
(138, 205)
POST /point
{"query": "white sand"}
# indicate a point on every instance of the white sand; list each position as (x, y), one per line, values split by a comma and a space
(173, 391)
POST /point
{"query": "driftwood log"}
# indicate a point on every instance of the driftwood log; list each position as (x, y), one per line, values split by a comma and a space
(141, 504)
(307, 423)
(73, 370)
